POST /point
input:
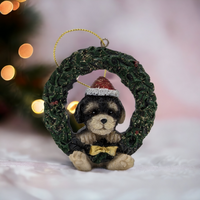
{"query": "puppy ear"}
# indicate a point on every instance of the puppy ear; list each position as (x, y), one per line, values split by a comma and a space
(78, 113)
(123, 115)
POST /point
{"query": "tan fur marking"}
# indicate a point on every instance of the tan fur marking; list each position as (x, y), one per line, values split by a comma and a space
(90, 106)
(80, 161)
(121, 162)
(113, 137)
(113, 106)
(87, 137)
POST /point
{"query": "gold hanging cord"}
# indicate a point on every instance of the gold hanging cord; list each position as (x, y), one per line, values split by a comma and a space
(79, 29)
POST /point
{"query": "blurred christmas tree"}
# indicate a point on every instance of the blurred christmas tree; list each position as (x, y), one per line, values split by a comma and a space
(19, 87)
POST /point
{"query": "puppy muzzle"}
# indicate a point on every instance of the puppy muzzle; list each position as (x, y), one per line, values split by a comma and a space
(101, 124)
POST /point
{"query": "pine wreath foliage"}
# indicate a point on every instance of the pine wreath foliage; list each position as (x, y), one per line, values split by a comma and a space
(82, 62)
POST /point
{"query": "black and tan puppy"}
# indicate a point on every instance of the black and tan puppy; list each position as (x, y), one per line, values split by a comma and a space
(100, 114)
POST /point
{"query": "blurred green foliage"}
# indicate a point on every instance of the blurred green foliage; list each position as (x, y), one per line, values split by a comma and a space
(17, 94)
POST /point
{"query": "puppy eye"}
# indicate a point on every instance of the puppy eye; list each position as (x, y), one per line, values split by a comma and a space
(94, 112)
(110, 112)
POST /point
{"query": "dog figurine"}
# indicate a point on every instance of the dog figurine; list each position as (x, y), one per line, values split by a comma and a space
(100, 110)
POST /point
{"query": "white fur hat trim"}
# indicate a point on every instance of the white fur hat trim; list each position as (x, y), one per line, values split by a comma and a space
(101, 92)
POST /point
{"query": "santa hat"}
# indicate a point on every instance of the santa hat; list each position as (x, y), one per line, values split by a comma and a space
(102, 87)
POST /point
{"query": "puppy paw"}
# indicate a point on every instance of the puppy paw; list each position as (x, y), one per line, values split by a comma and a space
(87, 137)
(121, 162)
(80, 161)
(113, 137)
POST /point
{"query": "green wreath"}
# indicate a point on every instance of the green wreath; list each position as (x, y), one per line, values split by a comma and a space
(83, 62)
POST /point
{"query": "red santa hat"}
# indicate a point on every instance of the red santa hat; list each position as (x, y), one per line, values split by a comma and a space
(102, 87)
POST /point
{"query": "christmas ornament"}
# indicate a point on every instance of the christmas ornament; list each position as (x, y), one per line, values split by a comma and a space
(98, 144)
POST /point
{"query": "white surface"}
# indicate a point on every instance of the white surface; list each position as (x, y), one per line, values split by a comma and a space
(167, 166)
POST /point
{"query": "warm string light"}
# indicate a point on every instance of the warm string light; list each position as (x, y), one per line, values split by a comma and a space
(37, 106)
(25, 50)
(8, 72)
(16, 5)
(72, 106)
(6, 7)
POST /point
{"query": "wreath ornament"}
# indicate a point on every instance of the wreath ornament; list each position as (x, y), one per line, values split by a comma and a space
(85, 61)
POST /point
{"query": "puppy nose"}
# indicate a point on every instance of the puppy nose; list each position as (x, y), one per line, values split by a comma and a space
(104, 121)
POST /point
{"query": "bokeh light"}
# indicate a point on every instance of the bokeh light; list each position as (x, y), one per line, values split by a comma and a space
(21, 1)
(37, 106)
(72, 106)
(25, 50)
(16, 5)
(6, 7)
(8, 72)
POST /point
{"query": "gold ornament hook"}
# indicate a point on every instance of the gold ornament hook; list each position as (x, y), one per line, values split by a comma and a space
(103, 44)
(78, 29)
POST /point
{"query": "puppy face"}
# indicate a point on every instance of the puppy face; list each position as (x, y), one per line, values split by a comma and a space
(100, 114)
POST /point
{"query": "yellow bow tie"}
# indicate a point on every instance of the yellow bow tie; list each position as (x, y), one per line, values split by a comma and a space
(94, 150)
